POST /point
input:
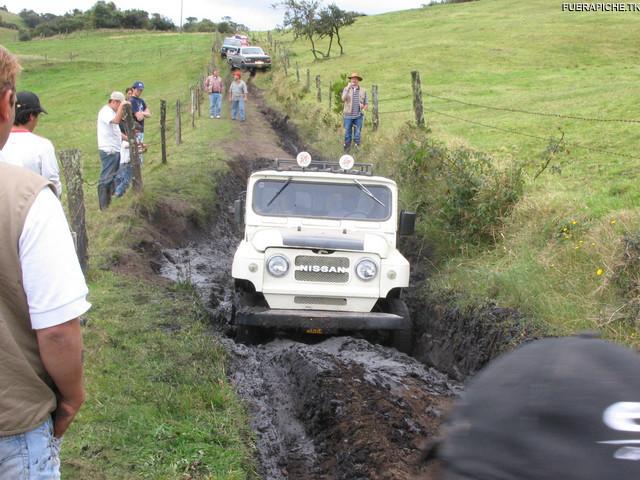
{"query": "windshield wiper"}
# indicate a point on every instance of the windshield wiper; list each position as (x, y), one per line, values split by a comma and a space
(279, 191)
(366, 190)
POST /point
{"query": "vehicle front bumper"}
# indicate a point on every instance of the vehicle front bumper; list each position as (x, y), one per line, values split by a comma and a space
(322, 320)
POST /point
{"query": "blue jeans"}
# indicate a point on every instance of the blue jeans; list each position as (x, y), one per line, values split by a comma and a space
(237, 109)
(106, 184)
(123, 179)
(354, 124)
(33, 455)
(215, 104)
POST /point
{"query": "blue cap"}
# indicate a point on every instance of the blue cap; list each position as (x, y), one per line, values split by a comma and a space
(138, 84)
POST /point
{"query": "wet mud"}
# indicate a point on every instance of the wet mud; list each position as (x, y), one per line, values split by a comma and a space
(336, 407)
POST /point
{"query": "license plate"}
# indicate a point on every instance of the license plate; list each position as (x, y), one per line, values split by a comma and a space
(314, 331)
(259, 62)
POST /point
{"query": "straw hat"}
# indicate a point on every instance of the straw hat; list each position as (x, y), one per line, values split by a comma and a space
(354, 74)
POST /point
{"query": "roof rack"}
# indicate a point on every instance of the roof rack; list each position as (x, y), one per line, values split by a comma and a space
(281, 164)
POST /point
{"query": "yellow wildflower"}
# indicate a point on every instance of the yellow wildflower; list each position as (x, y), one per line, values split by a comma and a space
(613, 221)
(599, 272)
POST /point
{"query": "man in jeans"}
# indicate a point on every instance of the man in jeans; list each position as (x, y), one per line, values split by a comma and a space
(42, 294)
(109, 143)
(214, 86)
(354, 98)
(237, 96)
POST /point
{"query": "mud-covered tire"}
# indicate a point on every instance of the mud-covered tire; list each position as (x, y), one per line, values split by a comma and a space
(401, 340)
(247, 334)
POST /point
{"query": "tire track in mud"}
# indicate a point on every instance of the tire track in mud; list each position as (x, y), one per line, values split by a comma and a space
(341, 408)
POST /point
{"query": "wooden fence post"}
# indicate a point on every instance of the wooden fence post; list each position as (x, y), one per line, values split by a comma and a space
(72, 171)
(417, 98)
(318, 89)
(163, 129)
(134, 153)
(297, 72)
(198, 100)
(307, 86)
(330, 95)
(375, 117)
(178, 123)
(193, 108)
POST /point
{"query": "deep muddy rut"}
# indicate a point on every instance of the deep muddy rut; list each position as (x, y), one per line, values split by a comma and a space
(324, 408)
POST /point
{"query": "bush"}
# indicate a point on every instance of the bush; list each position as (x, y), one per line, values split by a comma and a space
(457, 190)
(24, 36)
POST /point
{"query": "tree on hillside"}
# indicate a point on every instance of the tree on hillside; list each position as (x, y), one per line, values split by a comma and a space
(302, 16)
(105, 15)
(158, 22)
(338, 19)
(30, 18)
(135, 19)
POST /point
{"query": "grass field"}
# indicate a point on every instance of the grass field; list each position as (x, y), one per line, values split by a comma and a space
(513, 55)
(158, 404)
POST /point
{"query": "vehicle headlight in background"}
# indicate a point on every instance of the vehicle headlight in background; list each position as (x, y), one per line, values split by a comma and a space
(366, 269)
(278, 265)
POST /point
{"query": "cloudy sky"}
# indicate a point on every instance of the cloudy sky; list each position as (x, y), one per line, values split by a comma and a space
(256, 14)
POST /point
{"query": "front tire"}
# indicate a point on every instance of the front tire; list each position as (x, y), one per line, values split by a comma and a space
(247, 334)
(401, 340)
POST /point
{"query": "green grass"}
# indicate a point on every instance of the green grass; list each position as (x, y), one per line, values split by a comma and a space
(515, 55)
(158, 402)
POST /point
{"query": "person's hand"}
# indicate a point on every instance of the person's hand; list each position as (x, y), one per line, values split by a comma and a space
(139, 116)
(65, 413)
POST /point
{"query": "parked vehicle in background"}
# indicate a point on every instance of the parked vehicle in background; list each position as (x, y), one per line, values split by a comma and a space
(318, 254)
(230, 45)
(244, 40)
(249, 58)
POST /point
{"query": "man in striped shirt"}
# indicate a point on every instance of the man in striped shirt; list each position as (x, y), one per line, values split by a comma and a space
(355, 102)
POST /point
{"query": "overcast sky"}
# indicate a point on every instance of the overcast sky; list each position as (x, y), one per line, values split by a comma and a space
(256, 14)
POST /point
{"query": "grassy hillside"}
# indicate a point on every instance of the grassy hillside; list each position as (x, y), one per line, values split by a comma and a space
(146, 415)
(565, 257)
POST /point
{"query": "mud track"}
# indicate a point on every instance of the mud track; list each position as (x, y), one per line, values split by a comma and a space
(328, 408)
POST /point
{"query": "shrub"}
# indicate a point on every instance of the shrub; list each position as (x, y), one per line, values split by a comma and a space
(24, 35)
(459, 190)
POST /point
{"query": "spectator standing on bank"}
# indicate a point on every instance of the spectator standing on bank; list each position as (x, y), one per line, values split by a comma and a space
(354, 98)
(139, 108)
(26, 149)
(42, 294)
(109, 144)
(215, 87)
(237, 97)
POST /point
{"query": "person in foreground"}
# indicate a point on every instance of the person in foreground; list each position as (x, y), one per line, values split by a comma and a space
(553, 409)
(42, 294)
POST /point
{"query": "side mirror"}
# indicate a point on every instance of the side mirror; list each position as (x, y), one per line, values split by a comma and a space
(407, 224)
(238, 212)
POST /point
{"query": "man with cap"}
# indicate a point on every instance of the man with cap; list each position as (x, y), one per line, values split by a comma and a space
(109, 143)
(237, 96)
(139, 108)
(26, 149)
(215, 88)
(42, 294)
(354, 98)
(554, 409)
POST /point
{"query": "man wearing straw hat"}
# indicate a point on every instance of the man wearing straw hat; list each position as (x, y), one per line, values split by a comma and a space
(354, 98)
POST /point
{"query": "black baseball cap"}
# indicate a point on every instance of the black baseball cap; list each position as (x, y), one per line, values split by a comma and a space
(28, 102)
(553, 409)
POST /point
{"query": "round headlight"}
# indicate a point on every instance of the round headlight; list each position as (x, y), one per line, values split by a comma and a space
(366, 269)
(278, 265)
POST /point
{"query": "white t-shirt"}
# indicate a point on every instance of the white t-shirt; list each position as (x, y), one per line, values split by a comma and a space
(26, 149)
(51, 274)
(125, 155)
(109, 138)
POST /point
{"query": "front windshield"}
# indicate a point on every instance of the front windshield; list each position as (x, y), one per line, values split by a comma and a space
(232, 42)
(321, 200)
(252, 51)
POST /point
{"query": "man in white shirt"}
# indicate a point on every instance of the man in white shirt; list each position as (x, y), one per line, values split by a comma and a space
(26, 149)
(109, 142)
(42, 294)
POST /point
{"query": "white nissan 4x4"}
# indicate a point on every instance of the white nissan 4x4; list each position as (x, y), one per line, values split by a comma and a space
(319, 253)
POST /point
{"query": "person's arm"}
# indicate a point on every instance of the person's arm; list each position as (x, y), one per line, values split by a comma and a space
(61, 354)
(345, 93)
(246, 91)
(50, 169)
(120, 112)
